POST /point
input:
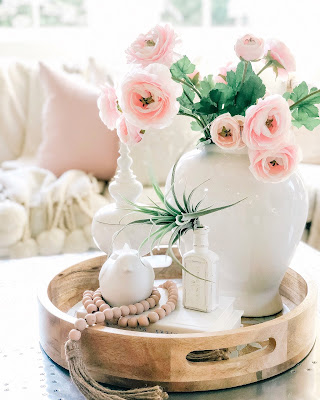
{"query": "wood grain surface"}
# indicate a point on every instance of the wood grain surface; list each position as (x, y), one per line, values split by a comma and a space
(132, 358)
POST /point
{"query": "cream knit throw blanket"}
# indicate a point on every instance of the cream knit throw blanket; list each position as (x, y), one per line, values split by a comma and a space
(42, 214)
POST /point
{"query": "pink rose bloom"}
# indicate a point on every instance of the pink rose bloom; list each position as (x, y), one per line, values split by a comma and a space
(267, 123)
(249, 48)
(107, 104)
(226, 131)
(279, 51)
(127, 132)
(230, 66)
(274, 165)
(154, 47)
(148, 96)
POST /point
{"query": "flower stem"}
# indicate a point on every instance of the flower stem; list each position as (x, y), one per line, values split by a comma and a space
(187, 84)
(203, 122)
(244, 73)
(200, 121)
(267, 65)
(193, 116)
(294, 105)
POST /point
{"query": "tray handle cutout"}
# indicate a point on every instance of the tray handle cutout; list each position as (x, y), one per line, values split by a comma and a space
(247, 350)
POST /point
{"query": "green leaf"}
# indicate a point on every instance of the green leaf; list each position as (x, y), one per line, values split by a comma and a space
(309, 123)
(173, 189)
(302, 118)
(166, 230)
(286, 95)
(239, 73)
(231, 79)
(158, 191)
(227, 93)
(185, 202)
(187, 97)
(204, 107)
(206, 85)
(174, 238)
(299, 92)
(140, 221)
(195, 79)
(195, 189)
(309, 109)
(234, 97)
(251, 90)
(304, 110)
(195, 126)
(182, 68)
(201, 213)
(156, 206)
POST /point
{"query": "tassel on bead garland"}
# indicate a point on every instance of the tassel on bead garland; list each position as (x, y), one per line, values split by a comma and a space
(92, 390)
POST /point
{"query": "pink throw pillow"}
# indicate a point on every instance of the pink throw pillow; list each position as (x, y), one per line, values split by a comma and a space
(73, 136)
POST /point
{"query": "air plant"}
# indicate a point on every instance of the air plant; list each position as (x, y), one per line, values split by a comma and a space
(178, 218)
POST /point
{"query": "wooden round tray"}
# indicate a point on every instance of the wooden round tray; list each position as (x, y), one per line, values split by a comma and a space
(133, 359)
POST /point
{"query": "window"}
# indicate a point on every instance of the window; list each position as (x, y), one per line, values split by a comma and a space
(43, 13)
(201, 13)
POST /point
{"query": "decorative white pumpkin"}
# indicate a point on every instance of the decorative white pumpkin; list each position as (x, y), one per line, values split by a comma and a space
(13, 219)
(125, 278)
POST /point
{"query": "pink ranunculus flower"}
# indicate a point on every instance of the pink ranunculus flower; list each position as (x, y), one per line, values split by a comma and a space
(249, 47)
(108, 107)
(226, 131)
(230, 66)
(279, 51)
(127, 132)
(267, 123)
(148, 96)
(156, 46)
(274, 165)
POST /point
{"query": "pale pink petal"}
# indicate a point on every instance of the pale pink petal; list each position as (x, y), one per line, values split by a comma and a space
(267, 123)
(249, 47)
(275, 165)
(127, 132)
(107, 104)
(148, 96)
(156, 46)
(226, 131)
(281, 53)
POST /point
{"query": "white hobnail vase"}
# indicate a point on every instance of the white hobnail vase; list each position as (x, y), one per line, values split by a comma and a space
(256, 239)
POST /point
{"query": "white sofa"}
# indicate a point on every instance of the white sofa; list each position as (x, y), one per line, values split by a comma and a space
(24, 227)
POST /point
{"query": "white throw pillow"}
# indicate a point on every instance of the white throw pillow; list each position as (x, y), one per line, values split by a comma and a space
(14, 85)
(36, 98)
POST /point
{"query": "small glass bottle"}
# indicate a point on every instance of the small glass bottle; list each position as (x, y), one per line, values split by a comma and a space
(200, 294)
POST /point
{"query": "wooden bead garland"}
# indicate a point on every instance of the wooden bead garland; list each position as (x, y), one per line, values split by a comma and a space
(99, 311)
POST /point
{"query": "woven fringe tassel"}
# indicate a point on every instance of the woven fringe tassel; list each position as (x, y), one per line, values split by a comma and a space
(92, 390)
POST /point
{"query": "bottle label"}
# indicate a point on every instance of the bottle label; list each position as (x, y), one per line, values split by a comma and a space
(198, 293)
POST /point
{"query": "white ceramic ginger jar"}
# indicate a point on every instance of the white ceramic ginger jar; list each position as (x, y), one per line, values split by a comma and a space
(255, 239)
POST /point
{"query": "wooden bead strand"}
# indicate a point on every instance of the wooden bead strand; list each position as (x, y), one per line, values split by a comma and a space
(98, 311)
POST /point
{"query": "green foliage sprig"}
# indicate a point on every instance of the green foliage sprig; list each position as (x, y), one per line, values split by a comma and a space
(304, 110)
(203, 100)
(177, 219)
